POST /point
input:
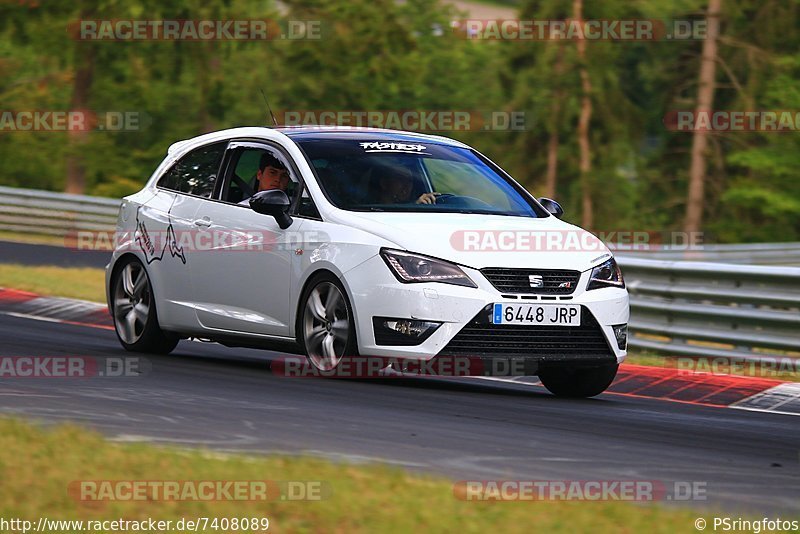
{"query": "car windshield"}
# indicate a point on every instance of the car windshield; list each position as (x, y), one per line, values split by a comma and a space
(413, 176)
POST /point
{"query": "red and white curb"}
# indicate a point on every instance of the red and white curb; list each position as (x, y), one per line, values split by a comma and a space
(54, 309)
(783, 398)
(671, 384)
(705, 389)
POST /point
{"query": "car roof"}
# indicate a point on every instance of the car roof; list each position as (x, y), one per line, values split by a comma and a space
(315, 133)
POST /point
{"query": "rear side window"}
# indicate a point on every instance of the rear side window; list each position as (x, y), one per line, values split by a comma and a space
(196, 172)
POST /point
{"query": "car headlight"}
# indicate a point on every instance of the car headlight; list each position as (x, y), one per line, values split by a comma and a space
(606, 274)
(414, 268)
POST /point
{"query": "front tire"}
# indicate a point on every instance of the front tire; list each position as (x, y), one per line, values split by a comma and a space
(578, 382)
(133, 309)
(326, 328)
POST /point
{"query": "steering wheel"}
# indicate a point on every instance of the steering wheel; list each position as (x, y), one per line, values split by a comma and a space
(444, 197)
(450, 198)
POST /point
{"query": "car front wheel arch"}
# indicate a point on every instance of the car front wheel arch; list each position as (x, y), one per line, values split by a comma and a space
(320, 276)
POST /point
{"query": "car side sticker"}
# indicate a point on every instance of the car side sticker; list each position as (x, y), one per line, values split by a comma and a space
(152, 249)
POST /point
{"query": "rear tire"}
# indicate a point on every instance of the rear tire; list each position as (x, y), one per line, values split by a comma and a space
(133, 310)
(578, 382)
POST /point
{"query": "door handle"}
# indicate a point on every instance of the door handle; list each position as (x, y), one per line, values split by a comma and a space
(205, 222)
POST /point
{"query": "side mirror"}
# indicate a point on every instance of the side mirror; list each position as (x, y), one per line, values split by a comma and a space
(552, 206)
(275, 203)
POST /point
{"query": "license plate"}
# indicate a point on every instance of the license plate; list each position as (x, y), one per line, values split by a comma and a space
(537, 314)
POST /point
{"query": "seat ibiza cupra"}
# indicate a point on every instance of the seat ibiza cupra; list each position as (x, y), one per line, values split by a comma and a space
(340, 242)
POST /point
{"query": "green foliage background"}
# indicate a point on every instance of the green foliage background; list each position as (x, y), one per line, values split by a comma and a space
(401, 55)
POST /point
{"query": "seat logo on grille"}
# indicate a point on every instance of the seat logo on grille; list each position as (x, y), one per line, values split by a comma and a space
(536, 280)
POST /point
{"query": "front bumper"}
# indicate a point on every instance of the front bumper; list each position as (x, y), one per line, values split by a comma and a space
(375, 292)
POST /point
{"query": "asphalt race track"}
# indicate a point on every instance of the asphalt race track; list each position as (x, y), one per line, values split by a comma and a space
(31, 254)
(210, 396)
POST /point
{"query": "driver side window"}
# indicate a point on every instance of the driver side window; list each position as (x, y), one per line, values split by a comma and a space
(258, 169)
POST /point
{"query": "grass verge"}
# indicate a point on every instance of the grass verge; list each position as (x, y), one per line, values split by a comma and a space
(37, 467)
(72, 282)
(19, 237)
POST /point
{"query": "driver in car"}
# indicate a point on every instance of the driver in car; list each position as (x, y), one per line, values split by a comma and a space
(272, 174)
(396, 187)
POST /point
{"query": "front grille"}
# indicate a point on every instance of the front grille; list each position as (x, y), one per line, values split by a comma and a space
(481, 338)
(553, 281)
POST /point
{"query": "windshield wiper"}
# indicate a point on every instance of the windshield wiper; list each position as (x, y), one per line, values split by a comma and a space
(487, 212)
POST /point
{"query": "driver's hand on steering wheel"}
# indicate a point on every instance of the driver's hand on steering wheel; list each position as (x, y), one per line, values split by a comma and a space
(427, 198)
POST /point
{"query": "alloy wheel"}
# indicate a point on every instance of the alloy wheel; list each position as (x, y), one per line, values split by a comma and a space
(326, 326)
(132, 301)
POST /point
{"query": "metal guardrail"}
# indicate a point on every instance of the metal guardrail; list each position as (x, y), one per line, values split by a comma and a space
(681, 308)
(31, 211)
(750, 254)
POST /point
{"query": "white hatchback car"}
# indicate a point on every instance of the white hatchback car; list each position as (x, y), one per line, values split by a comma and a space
(334, 242)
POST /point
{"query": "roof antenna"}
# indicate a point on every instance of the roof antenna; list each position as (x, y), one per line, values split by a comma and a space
(271, 114)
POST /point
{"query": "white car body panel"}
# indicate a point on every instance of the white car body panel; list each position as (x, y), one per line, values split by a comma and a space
(255, 294)
(413, 232)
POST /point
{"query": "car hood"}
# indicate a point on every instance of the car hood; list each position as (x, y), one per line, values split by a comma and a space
(480, 241)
